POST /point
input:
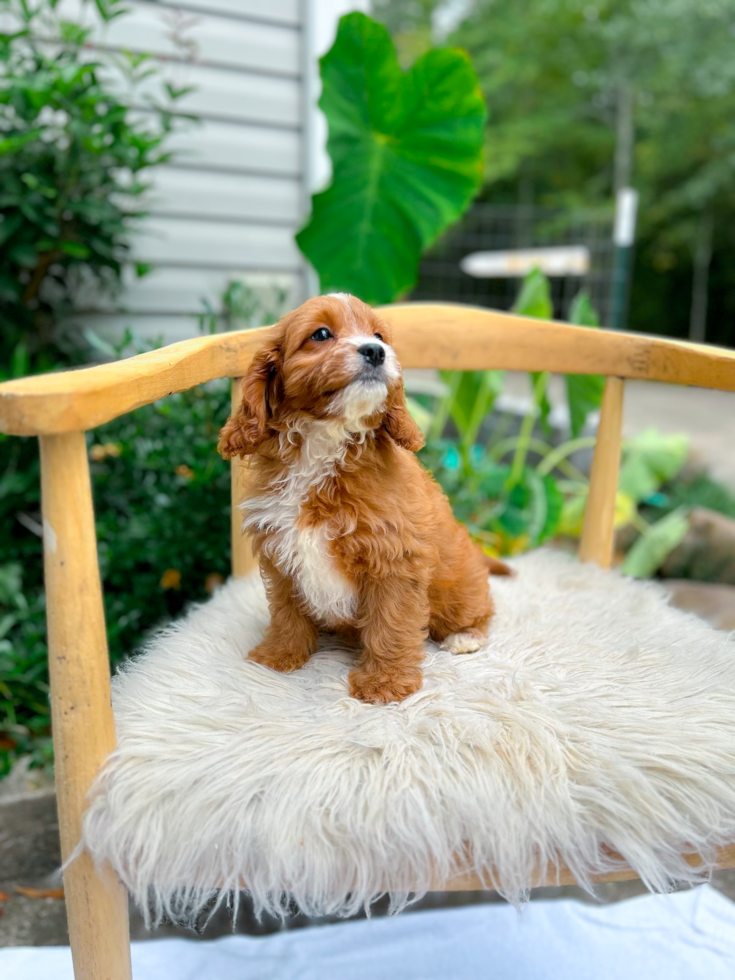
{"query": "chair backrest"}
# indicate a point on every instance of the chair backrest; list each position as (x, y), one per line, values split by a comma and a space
(425, 336)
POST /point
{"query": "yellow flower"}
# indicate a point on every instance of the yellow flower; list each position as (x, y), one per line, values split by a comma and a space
(625, 509)
(213, 581)
(99, 452)
(516, 546)
(171, 579)
(185, 471)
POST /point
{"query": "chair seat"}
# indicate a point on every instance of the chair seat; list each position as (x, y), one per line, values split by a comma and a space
(596, 727)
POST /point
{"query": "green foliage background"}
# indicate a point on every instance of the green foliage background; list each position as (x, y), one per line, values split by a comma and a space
(74, 158)
(73, 161)
(150, 519)
(555, 74)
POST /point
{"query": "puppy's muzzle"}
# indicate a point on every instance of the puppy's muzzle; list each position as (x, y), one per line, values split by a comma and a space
(374, 354)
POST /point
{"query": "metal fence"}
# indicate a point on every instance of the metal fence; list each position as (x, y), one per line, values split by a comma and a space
(490, 227)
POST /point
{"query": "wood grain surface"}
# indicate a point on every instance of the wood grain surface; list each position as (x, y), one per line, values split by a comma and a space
(425, 336)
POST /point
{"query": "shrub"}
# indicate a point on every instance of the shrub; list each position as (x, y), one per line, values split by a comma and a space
(162, 502)
(73, 158)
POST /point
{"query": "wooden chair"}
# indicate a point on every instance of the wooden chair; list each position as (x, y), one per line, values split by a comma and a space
(59, 408)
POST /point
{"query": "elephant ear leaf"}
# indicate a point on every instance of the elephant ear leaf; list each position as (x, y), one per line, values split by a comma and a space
(584, 391)
(407, 159)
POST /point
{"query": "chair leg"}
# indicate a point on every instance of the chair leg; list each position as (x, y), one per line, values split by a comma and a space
(598, 531)
(81, 712)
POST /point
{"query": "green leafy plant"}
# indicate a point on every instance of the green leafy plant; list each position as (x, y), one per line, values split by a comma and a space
(583, 391)
(649, 551)
(241, 306)
(675, 498)
(406, 151)
(511, 506)
(162, 502)
(650, 460)
(25, 722)
(73, 158)
(695, 490)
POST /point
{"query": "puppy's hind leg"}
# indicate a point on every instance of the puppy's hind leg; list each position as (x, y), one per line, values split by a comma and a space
(461, 604)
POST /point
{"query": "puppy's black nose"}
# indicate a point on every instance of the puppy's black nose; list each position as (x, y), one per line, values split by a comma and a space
(373, 353)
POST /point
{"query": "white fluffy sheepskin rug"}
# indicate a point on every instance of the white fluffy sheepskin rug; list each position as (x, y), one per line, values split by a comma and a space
(596, 719)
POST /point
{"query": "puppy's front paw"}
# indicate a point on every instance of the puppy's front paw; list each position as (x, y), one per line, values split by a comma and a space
(382, 687)
(281, 660)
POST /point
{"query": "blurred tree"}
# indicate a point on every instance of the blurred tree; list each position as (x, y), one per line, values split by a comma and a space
(411, 23)
(584, 97)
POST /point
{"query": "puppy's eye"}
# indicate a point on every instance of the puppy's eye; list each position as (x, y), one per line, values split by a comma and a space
(379, 336)
(321, 334)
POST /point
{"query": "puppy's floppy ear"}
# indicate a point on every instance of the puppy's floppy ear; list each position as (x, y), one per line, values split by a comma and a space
(399, 423)
(248, 427)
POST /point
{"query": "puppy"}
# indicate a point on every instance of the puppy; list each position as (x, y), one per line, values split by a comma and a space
(352, 534)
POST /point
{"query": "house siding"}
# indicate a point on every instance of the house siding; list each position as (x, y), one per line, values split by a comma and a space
(229, 202)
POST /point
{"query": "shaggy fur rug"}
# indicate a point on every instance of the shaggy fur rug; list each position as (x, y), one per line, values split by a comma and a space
(596, 719)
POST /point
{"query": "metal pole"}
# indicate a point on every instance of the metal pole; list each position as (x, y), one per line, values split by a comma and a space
(626, 207)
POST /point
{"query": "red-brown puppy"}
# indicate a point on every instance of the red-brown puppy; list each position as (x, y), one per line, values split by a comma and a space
(352, 533)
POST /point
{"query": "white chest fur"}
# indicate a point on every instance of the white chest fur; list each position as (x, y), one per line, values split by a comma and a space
(302, 552)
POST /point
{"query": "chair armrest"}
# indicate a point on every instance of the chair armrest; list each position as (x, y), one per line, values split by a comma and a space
(83, 399)
(470, 339)
(425, 335)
